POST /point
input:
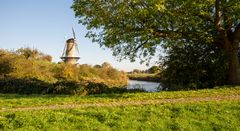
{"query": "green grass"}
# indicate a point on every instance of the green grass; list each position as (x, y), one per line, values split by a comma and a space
(211, 115)
(200, 116)
(14, 100)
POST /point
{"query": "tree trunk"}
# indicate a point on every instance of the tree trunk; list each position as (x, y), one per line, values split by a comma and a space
(233, 71)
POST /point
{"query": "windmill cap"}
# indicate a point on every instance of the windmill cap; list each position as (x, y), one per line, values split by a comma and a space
(71, 40)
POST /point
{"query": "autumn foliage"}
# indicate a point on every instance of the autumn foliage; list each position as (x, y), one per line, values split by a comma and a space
(31, 71)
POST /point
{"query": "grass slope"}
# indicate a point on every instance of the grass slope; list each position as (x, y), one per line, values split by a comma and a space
(207, 115)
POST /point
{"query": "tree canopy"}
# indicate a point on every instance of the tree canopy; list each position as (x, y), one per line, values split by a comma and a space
(135, 28)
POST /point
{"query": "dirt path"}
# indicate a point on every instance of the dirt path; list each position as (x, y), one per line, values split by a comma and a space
(130, 103)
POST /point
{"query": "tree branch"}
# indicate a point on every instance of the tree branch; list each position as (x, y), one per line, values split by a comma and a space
(236, 36)
(222, 31)
(217, 21)
(160, 33)
(205, 17)
(142, 44)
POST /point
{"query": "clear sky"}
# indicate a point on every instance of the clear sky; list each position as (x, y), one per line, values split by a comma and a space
(46, 25)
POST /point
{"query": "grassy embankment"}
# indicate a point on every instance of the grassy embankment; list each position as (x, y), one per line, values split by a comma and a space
(144, 77)
(213, 109)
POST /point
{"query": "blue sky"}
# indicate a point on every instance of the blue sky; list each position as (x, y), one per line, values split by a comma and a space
(46, 25)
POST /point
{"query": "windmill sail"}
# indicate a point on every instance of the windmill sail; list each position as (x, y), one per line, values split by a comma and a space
(74, 37)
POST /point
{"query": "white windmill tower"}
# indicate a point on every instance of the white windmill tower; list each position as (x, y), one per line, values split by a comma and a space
(70, 53)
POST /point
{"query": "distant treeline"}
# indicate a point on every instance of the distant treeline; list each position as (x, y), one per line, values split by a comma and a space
(151, 74)
(145, 77)
(151, 70)
(31, 71)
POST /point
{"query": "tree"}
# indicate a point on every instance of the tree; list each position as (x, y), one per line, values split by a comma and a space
(5, 62)
(133, 28)
(154, 69)
(136, 71)
(106, 65)
(29, 53)
(194, 66)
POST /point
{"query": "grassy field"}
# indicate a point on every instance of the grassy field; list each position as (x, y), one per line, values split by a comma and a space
(215, 109)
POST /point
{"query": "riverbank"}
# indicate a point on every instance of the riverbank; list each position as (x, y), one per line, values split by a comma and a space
(178, 110)
(146, 86)
(144, 77)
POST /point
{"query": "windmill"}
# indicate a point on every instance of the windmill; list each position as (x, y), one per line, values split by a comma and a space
(70, 53)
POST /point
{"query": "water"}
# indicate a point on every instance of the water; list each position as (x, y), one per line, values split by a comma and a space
(145, 85)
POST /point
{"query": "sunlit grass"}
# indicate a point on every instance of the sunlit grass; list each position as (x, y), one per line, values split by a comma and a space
(210, 115)
(14, 100)
(198, 116)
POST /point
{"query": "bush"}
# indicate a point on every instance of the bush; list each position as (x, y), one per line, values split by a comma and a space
(28, 71)
(23, 86)
(96, 88)
(68, 87)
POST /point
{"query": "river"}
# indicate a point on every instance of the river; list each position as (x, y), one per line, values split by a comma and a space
(145, 85)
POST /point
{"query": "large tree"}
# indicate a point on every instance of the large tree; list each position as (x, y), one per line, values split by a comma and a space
(193, 66)
(133, 28)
